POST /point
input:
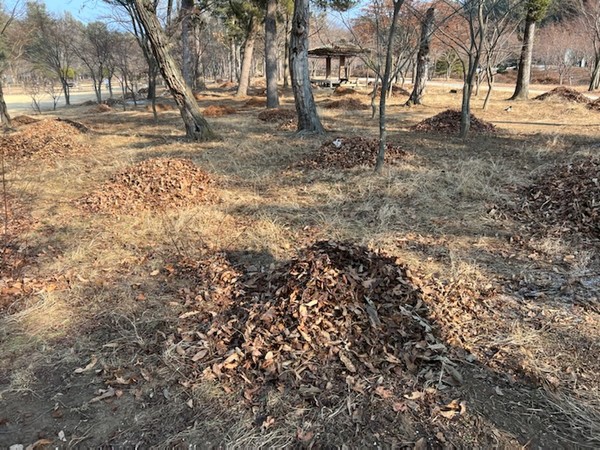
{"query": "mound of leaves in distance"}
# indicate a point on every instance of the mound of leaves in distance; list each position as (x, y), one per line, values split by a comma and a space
(396, 90)
(565, 198)
(449, 122)
(564, 94)
(344, 90)
(337, 317)
(155, 183)
(23, 120)
(256, 101)
(44, 139)
(348, 152)
(348, 104)
(218, 110)
(277, 115)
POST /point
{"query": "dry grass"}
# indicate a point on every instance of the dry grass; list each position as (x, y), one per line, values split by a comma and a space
(431, 211)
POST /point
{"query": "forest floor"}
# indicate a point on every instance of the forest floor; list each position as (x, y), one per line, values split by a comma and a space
(128, 290)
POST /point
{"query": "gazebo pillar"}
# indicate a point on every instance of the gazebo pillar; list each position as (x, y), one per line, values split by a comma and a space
(328, 67)
(342, 68)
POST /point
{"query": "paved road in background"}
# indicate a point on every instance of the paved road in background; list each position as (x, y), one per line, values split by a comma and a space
(21, 103)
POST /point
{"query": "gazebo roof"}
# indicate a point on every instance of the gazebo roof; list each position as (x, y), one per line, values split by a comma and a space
(342, 49)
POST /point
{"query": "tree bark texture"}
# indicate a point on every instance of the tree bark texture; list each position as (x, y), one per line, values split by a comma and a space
(308, 119)
(187, 41)
(422, 72)
(385, 84)
(195, 125)
(4, 116)
(271, 54)
(595, 81)
(524, 73)
(247, 58)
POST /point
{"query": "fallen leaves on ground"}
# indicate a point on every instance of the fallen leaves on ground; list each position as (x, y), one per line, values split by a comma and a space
(218, 110)
(44, 139)
(277, 115)
(348, 152)
(449, 122)
(564, 94)
(154, 183)
(348, 104)
(565, 198)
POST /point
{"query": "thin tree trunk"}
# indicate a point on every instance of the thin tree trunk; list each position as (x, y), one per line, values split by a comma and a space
(4, 116)
(308, 119)
(196, 126)
(490, 83)
(187, 41)
(595, 81)
(385, 83)
(286, 53)
(247, 58)
(66, 91)
(524, 73)
(271, 54)
(422, 75)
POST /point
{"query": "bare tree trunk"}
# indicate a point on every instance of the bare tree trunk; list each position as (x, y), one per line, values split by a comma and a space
(196, 126)
(187, 41)
(308, 119)
(247, 58)
(524, 73)
(286, 53)
(385, 84)
(271, 54)
(422, 75)
(4, 116)
(490, 83)
(595, 81)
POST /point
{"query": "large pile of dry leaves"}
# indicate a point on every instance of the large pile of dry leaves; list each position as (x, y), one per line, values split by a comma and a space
(348, 152)
(155, 183)
(564, 94)
(44, 139)
(348, 104)
(277, 115)
(566, 198)
(218, 110)
(449, 122)
(337, 317)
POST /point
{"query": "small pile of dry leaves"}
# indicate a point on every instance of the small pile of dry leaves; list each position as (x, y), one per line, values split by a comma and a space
(567, 198)
(256, 101)
(337, 317)
(155, 183)
(449, 122)
(228, 85)
(564, 94)
(162, 107)
(23, 120)
(396, 90)
(218, 110)
(45, 139)
(348, 152)
(277, 115)
(343, 90)
(348, 104)
(595, 105)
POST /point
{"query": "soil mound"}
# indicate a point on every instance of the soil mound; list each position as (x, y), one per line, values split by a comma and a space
(277, 115)
(566, 197)
(155, 183)
(348, 104)
(218, 111)
(449, 122)
(564, 94)
(23, 120)
(45, 139)
(348, 152)
(337, 317)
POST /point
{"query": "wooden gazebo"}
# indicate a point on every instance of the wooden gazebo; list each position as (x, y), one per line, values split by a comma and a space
(341, 51)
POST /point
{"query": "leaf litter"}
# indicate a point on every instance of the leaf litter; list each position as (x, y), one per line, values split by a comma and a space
(449, 122)
(346, 152)
(154, 183)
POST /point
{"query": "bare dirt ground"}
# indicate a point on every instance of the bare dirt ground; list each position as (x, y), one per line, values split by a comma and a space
(220, 322)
